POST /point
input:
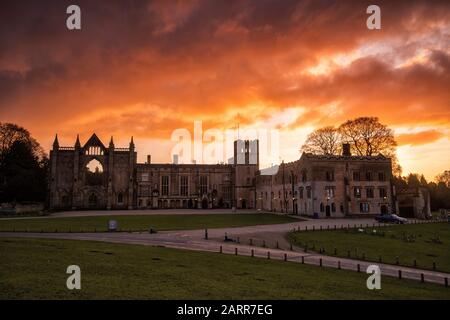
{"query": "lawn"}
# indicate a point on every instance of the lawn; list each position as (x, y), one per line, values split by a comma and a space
(142, 223)
(36, 269)
(425, 243)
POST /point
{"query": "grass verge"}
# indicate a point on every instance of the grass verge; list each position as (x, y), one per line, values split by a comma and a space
(423, 243)
(36, 269)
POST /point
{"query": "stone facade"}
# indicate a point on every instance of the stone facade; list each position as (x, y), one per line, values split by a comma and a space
(94, 176)
(322, 186)
(414, 203)
(329, 186)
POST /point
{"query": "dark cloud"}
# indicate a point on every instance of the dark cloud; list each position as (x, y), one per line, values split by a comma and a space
(210, 58)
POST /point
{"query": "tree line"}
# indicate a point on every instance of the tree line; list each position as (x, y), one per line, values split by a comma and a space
(365, 135)
(23, 166)
(439, 189)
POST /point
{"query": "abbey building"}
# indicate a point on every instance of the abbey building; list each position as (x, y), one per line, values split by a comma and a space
(95, 176)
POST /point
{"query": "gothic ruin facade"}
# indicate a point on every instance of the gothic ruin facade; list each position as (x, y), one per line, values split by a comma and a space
(95, 176)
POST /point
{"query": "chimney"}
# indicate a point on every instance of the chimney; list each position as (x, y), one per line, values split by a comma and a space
(346, 150)
(149, 159)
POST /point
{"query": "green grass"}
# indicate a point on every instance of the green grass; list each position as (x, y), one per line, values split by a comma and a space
(36, 269)
(142, 223)
(407, 242)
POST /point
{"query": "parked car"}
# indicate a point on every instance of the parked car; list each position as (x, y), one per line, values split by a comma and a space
(393, 218)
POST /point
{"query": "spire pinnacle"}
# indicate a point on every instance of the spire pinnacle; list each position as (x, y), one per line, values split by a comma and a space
(77, 143)
(56, 142)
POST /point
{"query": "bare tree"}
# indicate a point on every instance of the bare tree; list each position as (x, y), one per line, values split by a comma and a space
(11, 133)
(368, 137)
(324, 141)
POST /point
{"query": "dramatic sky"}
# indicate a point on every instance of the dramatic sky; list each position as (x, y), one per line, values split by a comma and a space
(145, 68)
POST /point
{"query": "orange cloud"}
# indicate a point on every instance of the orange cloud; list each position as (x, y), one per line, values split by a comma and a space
(419, 138)
(149, 67)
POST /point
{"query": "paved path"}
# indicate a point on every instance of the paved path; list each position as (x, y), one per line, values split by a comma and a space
(194, 240)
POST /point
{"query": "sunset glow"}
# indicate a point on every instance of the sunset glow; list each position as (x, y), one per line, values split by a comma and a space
(143, 69)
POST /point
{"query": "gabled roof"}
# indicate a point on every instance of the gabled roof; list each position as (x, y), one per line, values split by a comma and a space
(94, 141)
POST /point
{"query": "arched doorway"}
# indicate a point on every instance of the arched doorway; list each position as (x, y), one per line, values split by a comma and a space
(93, 200)
(328, 211)
(244, 204)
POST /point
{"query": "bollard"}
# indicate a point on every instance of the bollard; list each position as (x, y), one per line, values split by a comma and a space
(303, 259)
(399, 274)
(235, 251)
(334, 227)
(339, 264)
(422, 277)
(252, 253)
(285, 257)
(220, 249)
(268, 254)
(359, 268)
(320, 261)
(206, 234)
